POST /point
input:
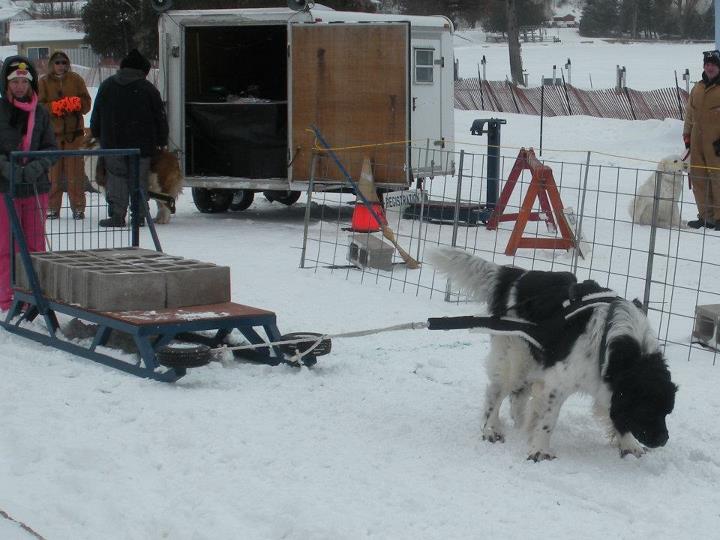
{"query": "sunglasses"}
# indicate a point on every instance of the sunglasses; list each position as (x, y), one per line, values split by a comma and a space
(61, 62)
(708, 55)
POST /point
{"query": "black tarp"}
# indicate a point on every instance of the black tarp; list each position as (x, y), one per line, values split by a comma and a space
(246, 140)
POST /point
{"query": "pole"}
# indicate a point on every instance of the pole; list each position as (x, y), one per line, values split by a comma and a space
(677, 93)
(651, 247)
(493, 162)
(581, 213)
(567, 97)
(542, 113)
(717, 24)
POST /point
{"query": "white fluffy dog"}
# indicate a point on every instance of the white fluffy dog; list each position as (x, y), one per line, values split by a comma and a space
(670, 170)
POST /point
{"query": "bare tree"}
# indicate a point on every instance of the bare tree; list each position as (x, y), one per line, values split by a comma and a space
(513, 33)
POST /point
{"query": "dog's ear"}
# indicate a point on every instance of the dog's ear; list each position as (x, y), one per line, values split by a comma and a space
(638, 304)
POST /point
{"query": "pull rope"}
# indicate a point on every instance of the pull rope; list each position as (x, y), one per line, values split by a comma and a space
(316, 341)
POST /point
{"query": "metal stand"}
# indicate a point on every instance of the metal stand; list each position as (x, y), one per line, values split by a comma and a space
(493, 160)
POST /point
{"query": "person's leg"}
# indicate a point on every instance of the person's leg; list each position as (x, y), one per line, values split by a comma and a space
(56, 191)
(699, 175)
(116, 188)
(5, 288)
(32, 211)
(75, 170)
(144, 171)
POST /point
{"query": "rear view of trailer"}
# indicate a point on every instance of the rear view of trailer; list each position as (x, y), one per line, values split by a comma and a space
(244, 87)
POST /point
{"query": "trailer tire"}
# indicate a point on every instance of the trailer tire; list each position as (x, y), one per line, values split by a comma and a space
(212, 201)
(288, 198)
(241, 200)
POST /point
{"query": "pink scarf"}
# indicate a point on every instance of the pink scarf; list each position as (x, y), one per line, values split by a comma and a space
(28, 107)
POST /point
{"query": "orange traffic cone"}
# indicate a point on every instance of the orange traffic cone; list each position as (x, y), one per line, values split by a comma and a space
(363, 219)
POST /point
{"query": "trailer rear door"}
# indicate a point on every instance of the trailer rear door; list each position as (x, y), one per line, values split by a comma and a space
(352, 82)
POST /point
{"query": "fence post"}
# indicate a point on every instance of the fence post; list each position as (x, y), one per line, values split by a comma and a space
(313, 165)
(627, 95)
(581, 213)
(456, 217)
(542, 113)
(651, 247)
(677, 93)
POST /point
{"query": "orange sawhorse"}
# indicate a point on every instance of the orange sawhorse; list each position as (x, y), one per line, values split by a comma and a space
(542, 187)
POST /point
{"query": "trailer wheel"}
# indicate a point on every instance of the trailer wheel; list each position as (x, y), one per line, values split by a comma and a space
(288, 198)
(212, 201)
(242, 199)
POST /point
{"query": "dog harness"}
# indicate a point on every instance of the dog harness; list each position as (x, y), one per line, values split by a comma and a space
(580, 297)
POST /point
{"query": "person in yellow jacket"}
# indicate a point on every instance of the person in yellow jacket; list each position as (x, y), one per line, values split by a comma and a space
(65, 95)
(701, 134)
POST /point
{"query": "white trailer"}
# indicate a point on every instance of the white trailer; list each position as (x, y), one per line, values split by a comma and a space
(244, 86)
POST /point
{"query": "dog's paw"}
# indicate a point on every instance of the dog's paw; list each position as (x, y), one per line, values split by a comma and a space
(493, 436)
(541, 456)
(637, 452)
(628, 445)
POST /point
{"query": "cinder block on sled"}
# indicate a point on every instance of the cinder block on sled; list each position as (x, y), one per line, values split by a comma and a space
(124, 290)
(368, 251)
(707, 325)
(195, 283)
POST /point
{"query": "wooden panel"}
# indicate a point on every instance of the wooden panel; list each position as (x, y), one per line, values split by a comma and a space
(351, 81)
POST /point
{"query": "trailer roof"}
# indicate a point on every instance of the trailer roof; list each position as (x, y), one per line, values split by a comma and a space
(284, 15)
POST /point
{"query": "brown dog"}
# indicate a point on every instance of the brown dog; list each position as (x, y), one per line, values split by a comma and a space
(164, 181)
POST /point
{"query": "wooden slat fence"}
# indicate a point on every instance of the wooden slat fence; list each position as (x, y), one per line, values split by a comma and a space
(627, 104)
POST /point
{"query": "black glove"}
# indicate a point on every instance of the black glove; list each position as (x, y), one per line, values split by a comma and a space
(716, 147)
(5, 169)
(34, 170)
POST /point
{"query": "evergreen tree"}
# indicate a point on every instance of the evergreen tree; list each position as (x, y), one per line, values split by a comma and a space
(529, 13)
(600, 18)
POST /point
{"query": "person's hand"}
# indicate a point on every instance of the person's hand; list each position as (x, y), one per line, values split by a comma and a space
(33, 171)
(686, 140)
(5, 169)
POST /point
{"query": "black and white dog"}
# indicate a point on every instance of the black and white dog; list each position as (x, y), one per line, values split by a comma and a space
(584, 338)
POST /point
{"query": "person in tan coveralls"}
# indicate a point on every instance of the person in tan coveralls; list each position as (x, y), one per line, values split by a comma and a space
(701, 134)
(65, 95)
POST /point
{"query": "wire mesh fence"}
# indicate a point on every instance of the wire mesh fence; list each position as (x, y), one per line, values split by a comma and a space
(72, 228)
(626, 229)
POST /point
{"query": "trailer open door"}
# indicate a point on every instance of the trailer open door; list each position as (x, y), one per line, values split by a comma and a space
(352, 82)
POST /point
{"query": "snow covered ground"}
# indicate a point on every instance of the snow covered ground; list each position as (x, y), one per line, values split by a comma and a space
(380, 440)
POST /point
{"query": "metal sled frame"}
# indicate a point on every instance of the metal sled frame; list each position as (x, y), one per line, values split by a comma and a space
(150, 331)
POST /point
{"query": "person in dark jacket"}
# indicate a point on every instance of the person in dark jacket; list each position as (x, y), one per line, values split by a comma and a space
(23, 126)
(128, 113)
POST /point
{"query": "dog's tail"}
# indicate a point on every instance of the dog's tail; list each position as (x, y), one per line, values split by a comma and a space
(475, 276)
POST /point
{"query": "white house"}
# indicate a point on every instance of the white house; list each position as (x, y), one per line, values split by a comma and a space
(38, 38)
(10, 12)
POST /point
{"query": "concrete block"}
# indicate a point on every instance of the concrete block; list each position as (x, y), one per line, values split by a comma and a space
(59, 282)
(368, 251)
(707, 325)
(124, 290)
(194, 283)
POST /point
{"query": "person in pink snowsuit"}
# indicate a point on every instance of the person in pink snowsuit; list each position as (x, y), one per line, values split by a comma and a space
(24, 126)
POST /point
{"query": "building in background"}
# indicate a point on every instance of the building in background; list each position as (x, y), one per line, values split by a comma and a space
(38, 38)
(10, 12)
